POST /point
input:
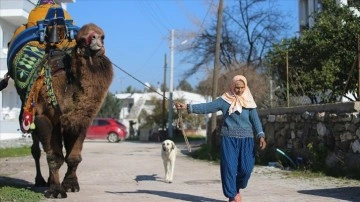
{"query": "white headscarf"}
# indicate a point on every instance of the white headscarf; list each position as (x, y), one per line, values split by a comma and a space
(238, 102)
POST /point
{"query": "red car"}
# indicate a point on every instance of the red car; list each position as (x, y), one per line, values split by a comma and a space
(106, 128)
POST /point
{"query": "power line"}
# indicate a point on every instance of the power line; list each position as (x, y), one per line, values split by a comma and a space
(151, 56)
(144, 9)
(136, 79)
(207, 12)
(163, 15)
(154, 15)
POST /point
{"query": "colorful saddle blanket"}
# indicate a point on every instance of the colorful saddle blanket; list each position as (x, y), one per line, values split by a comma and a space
(26, 65)
(27, 50)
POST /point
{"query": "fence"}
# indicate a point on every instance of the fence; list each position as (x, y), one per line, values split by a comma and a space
(333, 129)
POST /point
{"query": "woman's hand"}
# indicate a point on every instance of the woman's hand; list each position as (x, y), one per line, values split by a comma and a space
(180, 105)
(262, 143)
(7, 76)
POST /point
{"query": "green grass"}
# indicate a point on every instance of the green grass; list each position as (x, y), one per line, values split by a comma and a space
(15, 152)
(15, 194)
(11, 191)
(180, 138)
(305, 174)
(202, 153)
(323, 177)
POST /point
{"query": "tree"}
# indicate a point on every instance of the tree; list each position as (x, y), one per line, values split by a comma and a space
(260, 24)
(110, 108)
(185, 86)
(354, 3)
(155, 118)
(164, 88)
(257, 83)
(131, 89)
(322, 60)
(249, 28)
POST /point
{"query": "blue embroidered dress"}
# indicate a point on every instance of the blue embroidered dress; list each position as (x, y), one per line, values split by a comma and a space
(237, 143)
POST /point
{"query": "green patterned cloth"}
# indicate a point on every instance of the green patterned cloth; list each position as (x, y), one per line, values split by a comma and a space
(26, 66)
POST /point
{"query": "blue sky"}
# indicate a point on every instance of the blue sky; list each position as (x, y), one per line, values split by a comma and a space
(137, 34)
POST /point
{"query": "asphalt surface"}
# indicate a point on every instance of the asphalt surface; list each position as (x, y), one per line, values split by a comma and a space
(133, 171)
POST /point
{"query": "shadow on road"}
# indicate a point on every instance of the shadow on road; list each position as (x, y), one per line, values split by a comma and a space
(343, 193)
(152, 177)
(170, 195)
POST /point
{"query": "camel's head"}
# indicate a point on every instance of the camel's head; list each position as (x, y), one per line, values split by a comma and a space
(90, 40)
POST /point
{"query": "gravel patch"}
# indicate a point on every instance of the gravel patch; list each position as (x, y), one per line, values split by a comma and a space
(15, 143)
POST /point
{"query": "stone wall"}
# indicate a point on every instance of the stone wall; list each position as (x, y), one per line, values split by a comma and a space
(333, 127)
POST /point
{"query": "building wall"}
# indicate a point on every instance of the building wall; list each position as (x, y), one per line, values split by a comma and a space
(308, 7)
(8, 97)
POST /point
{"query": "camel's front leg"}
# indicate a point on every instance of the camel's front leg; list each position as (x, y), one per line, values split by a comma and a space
(73, 145)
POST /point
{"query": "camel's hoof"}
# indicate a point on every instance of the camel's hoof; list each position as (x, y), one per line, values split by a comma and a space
(71, 185)
(55, 191)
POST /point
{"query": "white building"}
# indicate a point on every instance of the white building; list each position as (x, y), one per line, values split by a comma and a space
(13, 13)
(308, 7)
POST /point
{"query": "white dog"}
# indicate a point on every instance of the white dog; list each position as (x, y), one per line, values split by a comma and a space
(168, 155)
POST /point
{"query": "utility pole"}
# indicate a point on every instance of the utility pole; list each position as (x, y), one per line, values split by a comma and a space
(163, 101)
(211, 140)
(170, 128)
(271, 93)
(287, 79)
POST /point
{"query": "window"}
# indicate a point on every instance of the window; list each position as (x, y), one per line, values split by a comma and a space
(103, 123)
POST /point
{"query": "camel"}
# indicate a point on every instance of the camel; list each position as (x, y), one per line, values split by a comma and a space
(65, 88)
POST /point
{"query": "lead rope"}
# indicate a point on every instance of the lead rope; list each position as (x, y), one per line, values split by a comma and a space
(180, 125)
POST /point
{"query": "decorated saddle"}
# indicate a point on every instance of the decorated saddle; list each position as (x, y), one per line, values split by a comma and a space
(47, 37)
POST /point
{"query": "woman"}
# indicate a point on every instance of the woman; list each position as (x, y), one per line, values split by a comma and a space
(237, 137)
(4, 82)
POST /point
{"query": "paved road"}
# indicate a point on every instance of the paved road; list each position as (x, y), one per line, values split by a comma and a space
(133, 171)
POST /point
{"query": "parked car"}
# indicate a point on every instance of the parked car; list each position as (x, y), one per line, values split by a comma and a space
(106, 128)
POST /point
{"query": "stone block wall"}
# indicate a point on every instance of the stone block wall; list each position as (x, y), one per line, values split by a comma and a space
(334, 127)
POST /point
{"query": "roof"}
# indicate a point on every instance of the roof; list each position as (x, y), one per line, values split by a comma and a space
(188, 97)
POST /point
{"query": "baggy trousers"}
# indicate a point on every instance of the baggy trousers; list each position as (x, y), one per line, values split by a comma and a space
(236, 163)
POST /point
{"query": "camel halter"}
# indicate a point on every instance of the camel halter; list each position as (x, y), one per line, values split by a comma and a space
(180, 125)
